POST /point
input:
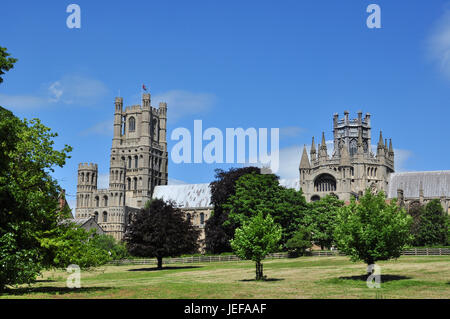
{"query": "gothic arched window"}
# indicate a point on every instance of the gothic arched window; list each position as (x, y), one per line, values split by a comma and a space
(325, 183)
(131, 124)
(202, 218)
(353, 147)
(105, 217)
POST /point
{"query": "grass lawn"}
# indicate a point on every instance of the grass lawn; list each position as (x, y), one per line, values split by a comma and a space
(305, 277)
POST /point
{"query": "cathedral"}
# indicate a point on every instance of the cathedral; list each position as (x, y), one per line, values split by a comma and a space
(352, 167)
(139, 158)
(138, 163)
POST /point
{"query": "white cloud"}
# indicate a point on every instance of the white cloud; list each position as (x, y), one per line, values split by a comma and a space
(69, 89)
(183, 103)
(102, 128)
(72, 89)
(439, 43)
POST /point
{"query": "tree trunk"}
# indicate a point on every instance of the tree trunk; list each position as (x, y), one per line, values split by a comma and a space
(159, 262)
(259, 270)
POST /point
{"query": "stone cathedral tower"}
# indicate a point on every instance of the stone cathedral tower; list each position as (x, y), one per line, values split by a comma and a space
(352, 166)
(138, 163)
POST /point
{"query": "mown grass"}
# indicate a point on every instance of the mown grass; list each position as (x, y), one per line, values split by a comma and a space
(305, 277)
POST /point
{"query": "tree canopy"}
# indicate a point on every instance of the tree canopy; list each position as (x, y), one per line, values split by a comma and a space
(255, 239)
(6, 62)
(433, 225)
(261, 193)
(371, 229)
(29, 205)
(322, 220)
(217, 233)
(161, 231)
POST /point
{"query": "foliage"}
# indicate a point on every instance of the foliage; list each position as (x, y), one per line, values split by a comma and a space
(372, 229)
(218, 234)
(28, 195)
(161, 231)
(6, 62)
(299, 242)
(116, 250)
(433, 225)
(261, 193)
(68, 244)
(323, 220)
(256, 238)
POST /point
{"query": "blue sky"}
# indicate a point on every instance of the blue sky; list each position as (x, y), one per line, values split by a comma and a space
(283, 64)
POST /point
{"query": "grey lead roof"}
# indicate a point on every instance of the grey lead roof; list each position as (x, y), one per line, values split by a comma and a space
(186, 195)
(433, 183)
(198, 195)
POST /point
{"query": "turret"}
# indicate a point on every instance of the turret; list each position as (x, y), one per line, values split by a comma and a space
(117, 120)
(87, 183)
(146, 118)
(162, 124)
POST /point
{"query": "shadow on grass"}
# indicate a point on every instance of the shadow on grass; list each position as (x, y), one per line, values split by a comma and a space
(49, 290)
(45, 280)
(164, 268)
(384, 278)
(267, 279)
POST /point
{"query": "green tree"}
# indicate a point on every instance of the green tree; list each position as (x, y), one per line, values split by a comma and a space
(116, 250)
(262, 193)
(433, 225)
(29, 205)
(161, 231)
(68, 244)
(217, 232)
(371, 229)
(299, 242)
(6, 62)
(256, 238)
(323, 220)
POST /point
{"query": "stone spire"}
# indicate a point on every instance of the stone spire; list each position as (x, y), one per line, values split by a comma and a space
(313, 150)
(323, 147)
(380, 147)
(304, 162)
(386, 150)
(391, 149)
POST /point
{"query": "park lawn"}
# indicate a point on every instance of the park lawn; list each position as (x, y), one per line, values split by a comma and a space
(304, 277)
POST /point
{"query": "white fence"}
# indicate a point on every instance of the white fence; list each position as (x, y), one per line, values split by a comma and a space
(320, 253)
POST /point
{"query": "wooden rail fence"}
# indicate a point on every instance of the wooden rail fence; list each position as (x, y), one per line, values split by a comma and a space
(320, 253)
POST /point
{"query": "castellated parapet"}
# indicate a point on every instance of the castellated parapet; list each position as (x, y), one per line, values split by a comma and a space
(351, 166)
(138, 163)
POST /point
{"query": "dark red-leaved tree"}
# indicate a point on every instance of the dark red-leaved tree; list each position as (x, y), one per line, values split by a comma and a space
(160, 231)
